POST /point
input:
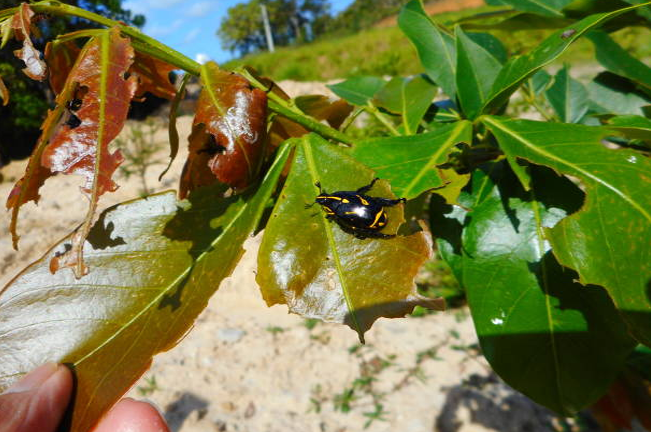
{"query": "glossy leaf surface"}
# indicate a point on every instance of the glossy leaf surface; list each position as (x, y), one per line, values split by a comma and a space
(522, 67)
(230, 129)
(602, 240)
(358, 90)
(409, 97)
(411, 164)
(80, 146)
(476, 72)
(568, 97)
(435, 47)
(320, 271)
(635, 127)
(617, 60)
(549, 8)
(558, 342)
(151, 276)
(612, 94)
(22, 28)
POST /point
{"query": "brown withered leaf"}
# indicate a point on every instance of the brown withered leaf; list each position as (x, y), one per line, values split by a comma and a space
(234, 115)
(321, 108)
(22, 26)
(60, 58)
(196, 171)
(153, 76)
(97, 112)
(4, 93)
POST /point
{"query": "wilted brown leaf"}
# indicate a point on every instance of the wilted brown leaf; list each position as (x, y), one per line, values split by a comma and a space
(321, 108)
(97, 111)
(153, 76)
(233, 118)
(60, 58)
(22, 25)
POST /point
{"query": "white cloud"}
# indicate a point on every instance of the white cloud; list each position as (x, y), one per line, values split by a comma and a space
(157, 30)
(201, 58)
(192, 35)
(201, 8)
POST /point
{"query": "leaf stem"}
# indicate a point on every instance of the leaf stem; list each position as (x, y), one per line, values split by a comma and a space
(372, 109)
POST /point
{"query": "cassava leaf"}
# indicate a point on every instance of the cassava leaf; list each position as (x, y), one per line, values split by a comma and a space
(617, 60)
(60, 58)
(634, 127)
(22, 28)
(520, 68)
(605, 242)
(560, 343)
(409, 97)
(322, 108)
(411, 164)
(357, 90)
(229, 130)
(156, 262)
(476, 72)
(101, 98)
(173, 132)
(153, 76)
(320, 271)
(568, 97)
(548, 8)
(435, 46)
(613, 94)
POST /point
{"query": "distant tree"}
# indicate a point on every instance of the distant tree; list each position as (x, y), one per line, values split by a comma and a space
(362, 14)
(292, 21)
(21, 118)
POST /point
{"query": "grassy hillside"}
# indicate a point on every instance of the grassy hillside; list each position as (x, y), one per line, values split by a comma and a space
(386, 51)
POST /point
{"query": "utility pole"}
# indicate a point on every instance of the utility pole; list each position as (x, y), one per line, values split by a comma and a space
(267, 28)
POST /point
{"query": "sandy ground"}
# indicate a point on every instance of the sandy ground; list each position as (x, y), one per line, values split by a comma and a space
(246, 367)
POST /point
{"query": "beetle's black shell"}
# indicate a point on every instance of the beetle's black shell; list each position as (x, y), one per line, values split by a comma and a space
(354, 210)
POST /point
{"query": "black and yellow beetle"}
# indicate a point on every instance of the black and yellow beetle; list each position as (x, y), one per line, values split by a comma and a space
(357, 213)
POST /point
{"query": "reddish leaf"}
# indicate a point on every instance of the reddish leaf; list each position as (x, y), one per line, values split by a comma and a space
(196, 171)
(153, 76)
(22, 26)
(100, 102)
(60, 58)
(321, 108)
(4, 93)
(234, 117)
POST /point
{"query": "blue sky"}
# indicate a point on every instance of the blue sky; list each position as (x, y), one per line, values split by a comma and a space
(190, 26)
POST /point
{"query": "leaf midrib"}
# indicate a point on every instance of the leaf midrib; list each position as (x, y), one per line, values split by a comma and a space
(576, 168)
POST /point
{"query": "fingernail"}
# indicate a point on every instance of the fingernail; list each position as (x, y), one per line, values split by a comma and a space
(34, 379)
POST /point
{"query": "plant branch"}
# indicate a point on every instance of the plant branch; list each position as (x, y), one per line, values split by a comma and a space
(372, 109)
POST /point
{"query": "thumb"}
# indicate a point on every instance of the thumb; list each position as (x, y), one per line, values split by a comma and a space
(36, 402)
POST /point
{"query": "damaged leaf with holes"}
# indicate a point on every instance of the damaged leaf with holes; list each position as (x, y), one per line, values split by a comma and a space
(228, 132)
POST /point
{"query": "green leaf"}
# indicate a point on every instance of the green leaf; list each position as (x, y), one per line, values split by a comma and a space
(490, 44)
(358, 90)
(634, 127)
(617, 60)
(612, 94)
(568, 97)
(547, 336)
(607, 241)
(476, 72)
(410, 97)
(410, 164)
(155, 263)
(516, 21)
(548, 8)
(540, 81)
(321, 271)
(518, 69)
(435, 47)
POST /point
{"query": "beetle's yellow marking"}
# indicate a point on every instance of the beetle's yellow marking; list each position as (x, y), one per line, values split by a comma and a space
(350, 212)
(376, 221)
(381, 223)
(328, 210)
(362, 200)
(332, 197)
(345, 201)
